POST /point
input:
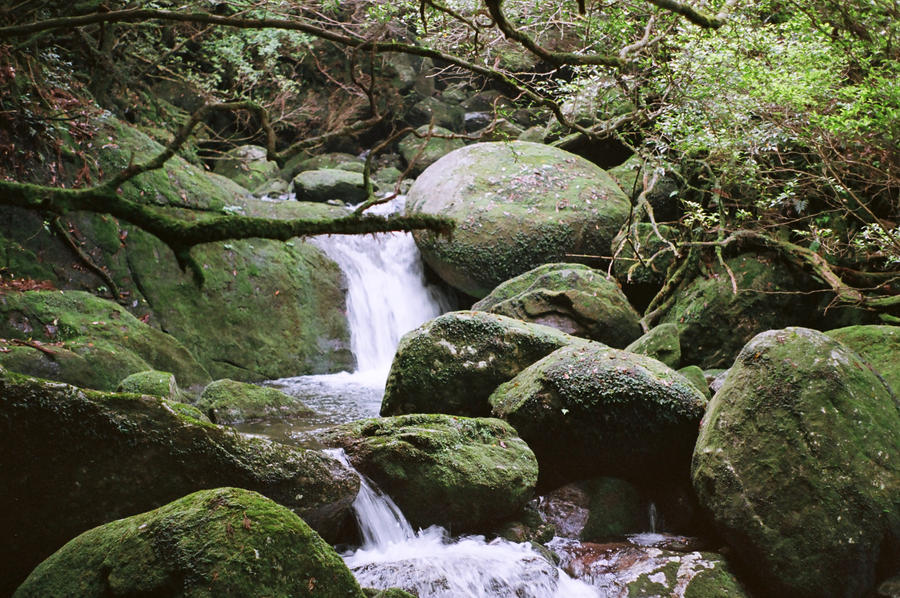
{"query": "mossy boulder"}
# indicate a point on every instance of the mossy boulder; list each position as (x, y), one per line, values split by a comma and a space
(73, 459)
(596, 509)
(695, 376)
(150, 382)
(571, 297)
(221, 542)
(661, 343)
(299, 289)
(426, 151)
(330, 183)
(588, 410)
(516, 205)
(230, 402)
(87, 341)
(649, 572)
(440, 469)
(247, 166)
(879, 346)
(303, 161)
(714, 321)
(798, 460)
(452, 363)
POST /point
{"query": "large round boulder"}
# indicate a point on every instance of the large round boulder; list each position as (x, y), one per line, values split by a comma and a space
(879, 346)
(516, 205)
(73, 459)
(452, 471)
(571, 297)
(715, 321)
(221, 542)
(798, 460)
(590, 410)
(453, 363)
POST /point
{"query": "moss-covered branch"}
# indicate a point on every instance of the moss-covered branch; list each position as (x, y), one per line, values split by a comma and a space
(181, 235)
(812, 261)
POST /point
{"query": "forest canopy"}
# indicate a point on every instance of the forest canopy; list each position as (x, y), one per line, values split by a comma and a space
(770, 124)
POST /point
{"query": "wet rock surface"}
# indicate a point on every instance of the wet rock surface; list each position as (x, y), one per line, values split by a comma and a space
(797, 460)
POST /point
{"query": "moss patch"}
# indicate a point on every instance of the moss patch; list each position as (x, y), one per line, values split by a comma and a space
(100, 341)
(230, 402)
(879, 346)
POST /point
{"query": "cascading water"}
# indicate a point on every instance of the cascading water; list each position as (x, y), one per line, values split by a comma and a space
(387, 295)
(429, 564)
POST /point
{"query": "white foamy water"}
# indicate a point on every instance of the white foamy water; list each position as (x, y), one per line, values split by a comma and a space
(387, 294)
(433, 565)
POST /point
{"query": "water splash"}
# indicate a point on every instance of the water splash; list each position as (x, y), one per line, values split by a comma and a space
(432, 565)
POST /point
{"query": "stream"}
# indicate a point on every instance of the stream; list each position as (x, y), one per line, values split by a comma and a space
(387, 296)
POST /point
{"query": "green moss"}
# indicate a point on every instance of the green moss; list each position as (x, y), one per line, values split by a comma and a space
(571, 297)
(714, 322)
(716, 582)
(660, 343)
(695, 376)
(247, 166)
(230, 402)
(796, 460)
(582, 407)
(516, 205)
(223, 542)
(103, 456)
(440, 469)
(452, 363)
(879, 346)
(297, 289)
(151, 382)
(100, 340)
(17, 261)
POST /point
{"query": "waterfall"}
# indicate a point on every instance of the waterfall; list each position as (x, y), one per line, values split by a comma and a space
(431, 565)
(387, 295)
